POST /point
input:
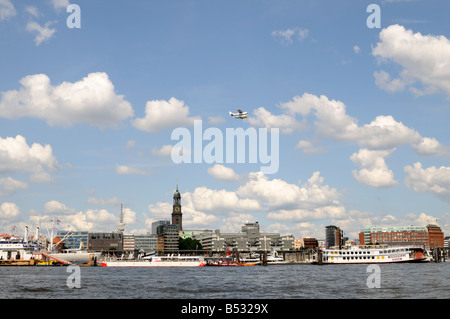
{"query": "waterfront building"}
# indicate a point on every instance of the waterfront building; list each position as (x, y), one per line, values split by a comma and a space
(250, 238)
(128, 242)
(158, 223)
(105, 241)
(334, 236)
(435, 236)
(430, 235)
(73, 239)
(308, 243)
(140, 242)
(168, 237)
(146, 243)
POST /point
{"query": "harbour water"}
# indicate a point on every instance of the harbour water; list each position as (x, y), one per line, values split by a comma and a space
(397, 281)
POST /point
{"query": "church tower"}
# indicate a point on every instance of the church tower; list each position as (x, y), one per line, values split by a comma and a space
(177, 216)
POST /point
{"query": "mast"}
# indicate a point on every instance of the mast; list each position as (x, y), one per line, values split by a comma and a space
(36, 237)
(52, 236)
(26, 234)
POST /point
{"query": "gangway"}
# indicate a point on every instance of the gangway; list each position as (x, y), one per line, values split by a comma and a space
(61, 261)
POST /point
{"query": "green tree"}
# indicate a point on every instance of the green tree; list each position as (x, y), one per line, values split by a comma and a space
(189, 244)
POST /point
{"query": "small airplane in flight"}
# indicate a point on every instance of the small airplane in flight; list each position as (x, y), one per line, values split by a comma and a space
(239, 115)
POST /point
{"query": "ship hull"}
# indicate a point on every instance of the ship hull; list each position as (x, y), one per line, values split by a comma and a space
(374, 262)
(365, 255)
(153, 263)
(76, 257)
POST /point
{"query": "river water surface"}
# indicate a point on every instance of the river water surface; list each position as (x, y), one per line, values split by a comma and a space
(402, 281)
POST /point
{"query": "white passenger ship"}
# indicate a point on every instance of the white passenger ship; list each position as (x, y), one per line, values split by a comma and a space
(157, 261)
(16, 248)
(373, 254)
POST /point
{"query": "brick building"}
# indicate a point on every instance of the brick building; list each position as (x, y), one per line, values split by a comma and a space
(435, 236)
(430, 235)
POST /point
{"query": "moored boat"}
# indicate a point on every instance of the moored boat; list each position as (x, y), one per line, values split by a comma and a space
(251, 260)
(275, 259)
(73, 256)
(16, 248)
(157, 261)
(373, 254)
(222, 262)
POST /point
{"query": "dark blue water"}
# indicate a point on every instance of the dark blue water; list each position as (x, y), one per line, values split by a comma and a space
(403, 281)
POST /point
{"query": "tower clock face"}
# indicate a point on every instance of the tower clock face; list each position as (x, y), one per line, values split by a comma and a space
(177, 209)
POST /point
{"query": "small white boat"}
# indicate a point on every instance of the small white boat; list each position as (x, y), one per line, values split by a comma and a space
(275, 259)
(251, 260)
(157, 261)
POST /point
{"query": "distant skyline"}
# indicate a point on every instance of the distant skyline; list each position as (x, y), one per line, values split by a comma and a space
(87, 113)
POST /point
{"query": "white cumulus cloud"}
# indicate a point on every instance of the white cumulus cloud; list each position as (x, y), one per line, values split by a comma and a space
(286, 123)
(425, 59)
(431, 180)
(384, 132)
(9, 210)
(17, 156)
(373, 169)
(224, 173)
(91, 100)
(160, 114)
(9, 185)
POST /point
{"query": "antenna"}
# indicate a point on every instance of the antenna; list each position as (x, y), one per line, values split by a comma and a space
(121, 224)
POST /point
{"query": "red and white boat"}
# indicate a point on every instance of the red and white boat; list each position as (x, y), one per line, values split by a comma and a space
(222, 262)
(157, 261)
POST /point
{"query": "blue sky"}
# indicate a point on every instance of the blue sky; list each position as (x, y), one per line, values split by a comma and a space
(86, 114)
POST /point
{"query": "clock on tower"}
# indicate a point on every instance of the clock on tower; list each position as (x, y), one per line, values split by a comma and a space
(177, 216)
